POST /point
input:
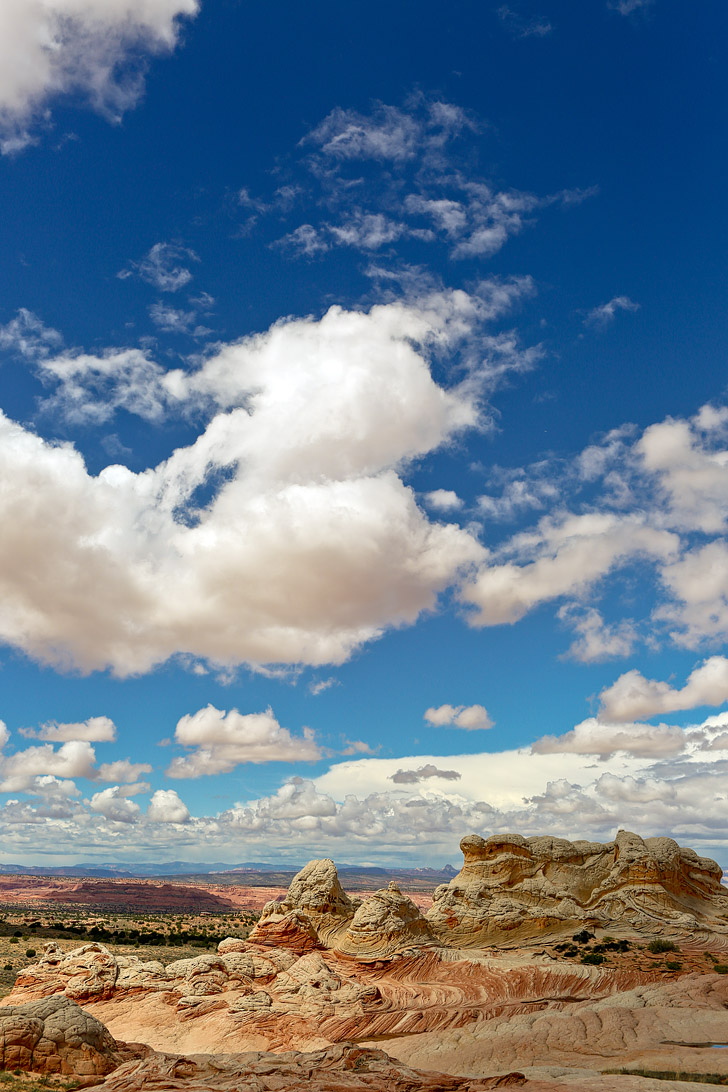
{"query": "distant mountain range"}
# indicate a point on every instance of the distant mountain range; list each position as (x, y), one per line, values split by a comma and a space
(222, 872)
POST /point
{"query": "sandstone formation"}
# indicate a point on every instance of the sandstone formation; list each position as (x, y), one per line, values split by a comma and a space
(251, 997)
(511, 889)
(56, 1036)
(317, 892)
(656, 1026)
(345, 1068)
(385, 923)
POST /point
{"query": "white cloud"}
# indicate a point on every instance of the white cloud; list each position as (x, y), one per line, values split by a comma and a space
(122, 769)
(642, 781)
(52, 47)
(633, 696)
(606, 312)
(75, 758)
(113, 804)
(311, 543)
(166, 807)
(163, 267)
(571, 553)
(224, 740)
(443, 500)
(597, 640)
(27, 336)
(593, 737)
(470, 717)
(93, 730)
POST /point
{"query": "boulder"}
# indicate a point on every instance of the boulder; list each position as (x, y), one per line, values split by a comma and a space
(55, 1036)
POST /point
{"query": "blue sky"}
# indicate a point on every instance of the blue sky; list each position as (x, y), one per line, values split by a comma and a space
(364, 448)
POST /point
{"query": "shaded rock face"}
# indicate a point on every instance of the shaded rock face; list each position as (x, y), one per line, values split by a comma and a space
(345, 1068)
(512, 888)
(385, 923)
(293, 930)
(317, 892)
(56, 1036)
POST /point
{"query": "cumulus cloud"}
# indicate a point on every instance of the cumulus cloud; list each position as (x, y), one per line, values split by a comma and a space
(91, 47)
(570, 553)
(593, 737)
(75, 758)
(469, 717)
(93, 730)
(224, 740)
(310, 544)
(597, 640)
(443, 500)
(165, 806)
(28, 337)
(633, 696)
(359, 806)
(423, 773)
(605, 313)
(115, 805)
(122, 769)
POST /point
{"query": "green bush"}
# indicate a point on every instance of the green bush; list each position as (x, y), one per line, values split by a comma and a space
(721, 968)
(594, 958)
(583, 937)
(673, 965)
(657, 947)
(29, 953)
(13, 940)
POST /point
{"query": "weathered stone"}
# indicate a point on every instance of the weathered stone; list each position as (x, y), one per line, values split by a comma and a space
(385, 923)
(512, 888)
(54, 1035)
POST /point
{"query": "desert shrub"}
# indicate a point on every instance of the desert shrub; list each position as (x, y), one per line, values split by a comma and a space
(673, 965)
(29, 953)
(721, 968)
(594, 958)
(13, 940)
(657, 947)
(583, 937)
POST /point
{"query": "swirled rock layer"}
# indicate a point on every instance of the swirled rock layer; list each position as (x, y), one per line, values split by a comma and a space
(56, 1036)
(512, 889)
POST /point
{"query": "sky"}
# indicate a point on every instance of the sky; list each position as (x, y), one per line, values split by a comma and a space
(364, 430)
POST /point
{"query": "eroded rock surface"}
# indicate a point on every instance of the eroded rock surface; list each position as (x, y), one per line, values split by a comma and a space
(345, 1068)
(56, 1036)
(512, 888)
(656, 1026)
(317, 892)
(385, 923)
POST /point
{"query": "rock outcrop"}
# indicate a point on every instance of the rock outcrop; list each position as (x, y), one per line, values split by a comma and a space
(385, 923)
(56, 1036)
(511, 889)
(317, 892)
(345, 1068)
(656, 1026)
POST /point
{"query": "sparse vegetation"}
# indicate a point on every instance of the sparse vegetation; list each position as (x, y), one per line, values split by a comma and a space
(582, 937)
(658, 947)
(593, 958)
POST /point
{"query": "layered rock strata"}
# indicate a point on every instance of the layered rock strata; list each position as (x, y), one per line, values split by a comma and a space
(512, 889)
(385, 923)
(339, 1069)
(317, 892)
